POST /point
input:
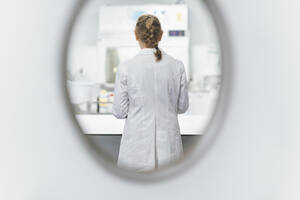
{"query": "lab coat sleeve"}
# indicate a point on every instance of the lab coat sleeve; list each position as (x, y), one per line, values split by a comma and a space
(183, 100)
(121, 100)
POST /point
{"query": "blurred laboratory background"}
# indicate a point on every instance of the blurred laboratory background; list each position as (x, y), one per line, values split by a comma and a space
(103, 36)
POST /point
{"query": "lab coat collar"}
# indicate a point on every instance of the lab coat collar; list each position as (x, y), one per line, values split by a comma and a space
(149, 51)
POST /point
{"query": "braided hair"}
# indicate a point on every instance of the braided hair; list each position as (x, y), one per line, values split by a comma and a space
(148, 29)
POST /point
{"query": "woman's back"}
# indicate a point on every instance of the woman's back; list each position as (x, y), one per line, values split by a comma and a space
(150, 94)
(157, 84)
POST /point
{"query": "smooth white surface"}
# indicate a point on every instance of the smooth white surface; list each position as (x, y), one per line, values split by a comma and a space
(126, 16)
(109, 124)
(256, 155)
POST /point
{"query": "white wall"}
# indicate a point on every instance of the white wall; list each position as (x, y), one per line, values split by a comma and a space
(256, 152)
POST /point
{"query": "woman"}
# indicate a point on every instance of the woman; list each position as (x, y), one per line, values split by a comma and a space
(150, 91)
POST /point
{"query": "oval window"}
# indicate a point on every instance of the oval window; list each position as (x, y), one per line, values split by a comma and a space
(156, 128)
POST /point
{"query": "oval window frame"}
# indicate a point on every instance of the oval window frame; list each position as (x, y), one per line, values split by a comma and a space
(212, 129)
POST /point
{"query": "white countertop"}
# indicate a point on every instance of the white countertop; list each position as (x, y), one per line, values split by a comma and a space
(108, 124)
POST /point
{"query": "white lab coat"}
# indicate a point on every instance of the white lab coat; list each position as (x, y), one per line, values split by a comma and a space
(150, 95)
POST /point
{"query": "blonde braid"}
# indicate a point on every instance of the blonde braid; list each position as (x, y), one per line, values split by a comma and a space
(148, 29)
